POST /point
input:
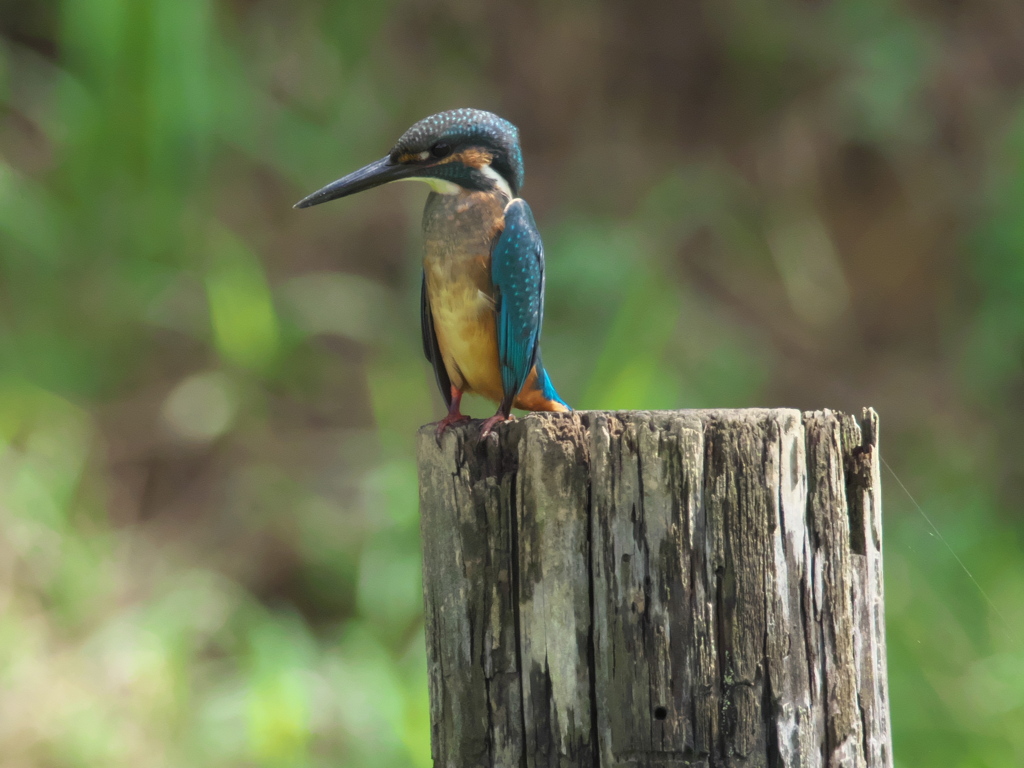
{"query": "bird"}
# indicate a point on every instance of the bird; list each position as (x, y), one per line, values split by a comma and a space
(482, 292)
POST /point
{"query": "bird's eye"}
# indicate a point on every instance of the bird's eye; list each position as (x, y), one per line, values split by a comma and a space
(441, 149)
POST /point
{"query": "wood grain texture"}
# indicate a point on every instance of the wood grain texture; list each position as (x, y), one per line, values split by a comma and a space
(664, 589)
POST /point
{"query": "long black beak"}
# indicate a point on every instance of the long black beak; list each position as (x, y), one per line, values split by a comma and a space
(373, 175)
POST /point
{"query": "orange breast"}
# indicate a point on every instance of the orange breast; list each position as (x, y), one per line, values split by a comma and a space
(466, 333)
(459, 230)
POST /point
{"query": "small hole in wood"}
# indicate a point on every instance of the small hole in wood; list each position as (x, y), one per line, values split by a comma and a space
(660, 713)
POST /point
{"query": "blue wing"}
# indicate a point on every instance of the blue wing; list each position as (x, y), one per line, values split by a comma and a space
(517, 271)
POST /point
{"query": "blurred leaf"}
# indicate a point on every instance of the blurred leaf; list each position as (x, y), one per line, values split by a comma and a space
(241, 310)
(628, 373)
(279, 696)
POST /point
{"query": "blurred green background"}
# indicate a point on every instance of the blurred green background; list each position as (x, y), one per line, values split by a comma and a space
(209, 546)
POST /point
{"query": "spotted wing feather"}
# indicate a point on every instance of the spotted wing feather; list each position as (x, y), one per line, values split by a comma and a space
(517, 271)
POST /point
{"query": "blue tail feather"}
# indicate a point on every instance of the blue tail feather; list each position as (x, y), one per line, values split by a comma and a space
(547, 388)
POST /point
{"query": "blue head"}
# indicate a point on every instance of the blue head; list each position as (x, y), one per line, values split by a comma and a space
(462, 148)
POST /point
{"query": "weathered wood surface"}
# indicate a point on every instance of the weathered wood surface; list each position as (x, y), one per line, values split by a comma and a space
(664, 589)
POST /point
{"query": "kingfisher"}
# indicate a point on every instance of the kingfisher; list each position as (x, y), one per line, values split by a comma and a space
(482, 294)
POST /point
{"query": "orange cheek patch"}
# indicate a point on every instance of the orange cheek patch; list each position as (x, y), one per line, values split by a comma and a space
(474, 158)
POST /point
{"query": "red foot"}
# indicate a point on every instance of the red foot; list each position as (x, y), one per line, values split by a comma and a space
(495, 419)
(454, 415)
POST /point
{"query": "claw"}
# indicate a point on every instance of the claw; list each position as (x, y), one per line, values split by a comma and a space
(447, 421)
(495, 419)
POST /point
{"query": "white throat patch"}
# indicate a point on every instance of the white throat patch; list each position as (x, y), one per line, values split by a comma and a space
(498, 179)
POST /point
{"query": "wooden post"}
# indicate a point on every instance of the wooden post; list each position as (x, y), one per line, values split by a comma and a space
(663, 589)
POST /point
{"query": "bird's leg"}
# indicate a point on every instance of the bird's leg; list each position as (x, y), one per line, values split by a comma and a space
(454, 414)
(489, 424)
